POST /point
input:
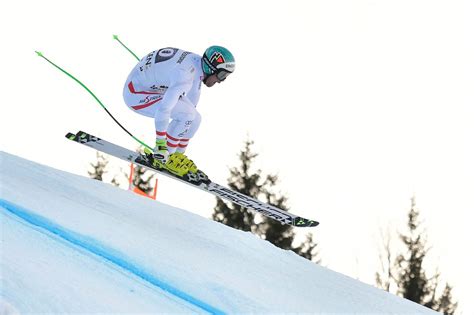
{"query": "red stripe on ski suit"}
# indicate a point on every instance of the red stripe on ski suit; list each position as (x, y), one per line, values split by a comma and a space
(171, 138)
(175, 139)
(132, 90)
(182, 143)
(137, 107)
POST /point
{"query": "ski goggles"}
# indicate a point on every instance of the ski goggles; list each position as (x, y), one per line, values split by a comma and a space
(222, 74)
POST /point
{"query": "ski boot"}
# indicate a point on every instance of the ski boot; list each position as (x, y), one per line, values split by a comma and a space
(193, 175)
(159, 155)
(171, 165)
(178, 164)
(185, 161)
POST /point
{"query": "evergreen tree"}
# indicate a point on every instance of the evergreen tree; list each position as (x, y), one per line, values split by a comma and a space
(413, 284)
(98, 168)
(444, 303)
(408, 272)
(251, 183)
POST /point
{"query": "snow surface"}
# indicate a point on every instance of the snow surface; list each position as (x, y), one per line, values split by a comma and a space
(70, 244)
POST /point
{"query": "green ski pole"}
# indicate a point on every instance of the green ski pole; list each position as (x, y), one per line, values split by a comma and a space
(95, 97)
(116, 38)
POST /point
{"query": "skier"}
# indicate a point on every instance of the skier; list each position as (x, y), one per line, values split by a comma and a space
(166, 85)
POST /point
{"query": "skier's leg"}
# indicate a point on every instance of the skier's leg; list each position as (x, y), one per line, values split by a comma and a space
(183, 115)
(183, 143)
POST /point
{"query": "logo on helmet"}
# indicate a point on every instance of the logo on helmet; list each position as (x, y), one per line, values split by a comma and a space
(217, 58)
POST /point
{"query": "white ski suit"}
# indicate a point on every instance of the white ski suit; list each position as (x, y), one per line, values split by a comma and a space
(164, 85)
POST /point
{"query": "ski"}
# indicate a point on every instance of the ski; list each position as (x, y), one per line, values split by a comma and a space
(198, 180)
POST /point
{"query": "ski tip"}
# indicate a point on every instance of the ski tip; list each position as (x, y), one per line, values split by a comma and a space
(115, 37)
(302, 222)
(40, 54)
(70, 136)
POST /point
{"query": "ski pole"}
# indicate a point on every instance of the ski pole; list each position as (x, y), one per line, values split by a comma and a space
(95, 97)
(116, 38)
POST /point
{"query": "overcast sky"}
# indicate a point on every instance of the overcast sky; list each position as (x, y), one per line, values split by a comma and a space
(356, 105)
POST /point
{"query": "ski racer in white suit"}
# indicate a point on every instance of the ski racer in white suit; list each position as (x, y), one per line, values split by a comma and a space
(166, 85)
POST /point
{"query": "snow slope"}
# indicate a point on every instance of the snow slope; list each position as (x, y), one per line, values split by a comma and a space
(72, 244)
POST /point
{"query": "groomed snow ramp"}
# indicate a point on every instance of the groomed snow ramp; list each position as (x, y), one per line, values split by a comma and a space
(70, 244)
